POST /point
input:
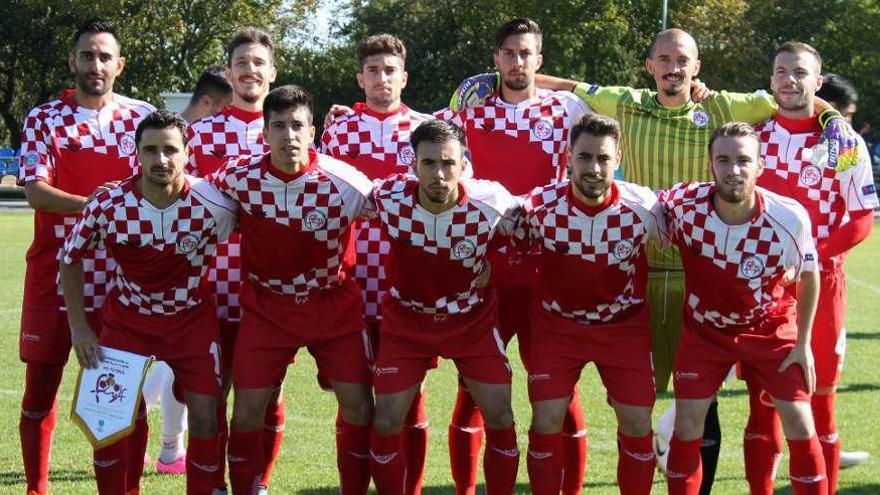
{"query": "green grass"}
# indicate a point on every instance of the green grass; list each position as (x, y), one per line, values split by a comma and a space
(307, 463)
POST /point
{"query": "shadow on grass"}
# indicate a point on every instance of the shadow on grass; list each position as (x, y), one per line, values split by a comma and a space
(10, 478)
(862, 335)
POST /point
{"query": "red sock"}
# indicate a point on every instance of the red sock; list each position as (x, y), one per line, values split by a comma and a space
(501, 461)
(38, 418)
(245, 460)
(222, 440)
(826, 430)
(465, 440)
(201, 465)
(352, 456)
(684, 473)
(387, 463)
(111, 466)
(635, 464)
(273, 433)
(415, 439)
(137, 447)
(807, 467)
(574, 447)
(762, 444)
(544, 461)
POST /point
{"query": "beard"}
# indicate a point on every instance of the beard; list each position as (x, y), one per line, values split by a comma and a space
(799, 103)
(517, 85)
(592, 190)
(734, 195)
(87, 87)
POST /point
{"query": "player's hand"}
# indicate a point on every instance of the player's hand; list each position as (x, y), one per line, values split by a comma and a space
(474, 90)
(103, 187)
(802, 356)
(699, 91)
(85, 345)
(484, 276)
(840, 139)
(336, 111)
(788, 278)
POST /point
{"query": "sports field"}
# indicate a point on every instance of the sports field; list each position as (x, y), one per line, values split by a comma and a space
(307, 463)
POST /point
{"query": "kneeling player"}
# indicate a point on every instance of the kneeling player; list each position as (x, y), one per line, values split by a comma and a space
(440, 228)
(741, 245)
(590, 229)
(162, 228)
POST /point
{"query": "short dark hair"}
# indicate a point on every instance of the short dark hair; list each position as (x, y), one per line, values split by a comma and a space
(436, 131)
(733, 129)
(796, 47)
(288, 96)
(838, 90)
(595, 125)
(211, 82)
(380, 44)
(160, 119)
(248, 35)
(520, 25)
(94, 26)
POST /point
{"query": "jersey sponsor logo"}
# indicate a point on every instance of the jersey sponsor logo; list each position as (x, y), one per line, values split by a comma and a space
(537, 377)
(623, 249)
(542, 129)
(869, 190)
(387, 370)
(686, 375)
(751, 267)
(314, 220)
(126, 145)
(699, 117)
(31, 159)
(810, 175)
(406, 155)
(463, 249)
(187, 243)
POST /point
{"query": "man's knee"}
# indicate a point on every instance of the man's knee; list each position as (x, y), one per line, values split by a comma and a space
(249, 410)
(499, 418)
(387, 424)
(635, 423)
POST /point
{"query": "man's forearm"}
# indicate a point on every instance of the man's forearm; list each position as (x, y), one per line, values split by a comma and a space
(807, 299)
(554, 83)
(72, 290)
(849, 236)
(41, 196)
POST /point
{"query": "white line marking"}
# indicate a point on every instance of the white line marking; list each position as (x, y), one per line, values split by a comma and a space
(862, 283)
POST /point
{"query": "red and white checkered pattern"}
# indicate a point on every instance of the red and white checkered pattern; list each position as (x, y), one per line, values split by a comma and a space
(181, 237)
(587, 245)
(229, 135)
(751, 258)
(316, 210)
(458, 237)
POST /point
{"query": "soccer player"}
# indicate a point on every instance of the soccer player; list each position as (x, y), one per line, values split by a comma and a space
(296, 210)
(233, 133)
(440, 228)
(375, 140)
(591, 228)
(161, 227)
(211, 94)
(740, 246)
(71, 148)
(840, 201)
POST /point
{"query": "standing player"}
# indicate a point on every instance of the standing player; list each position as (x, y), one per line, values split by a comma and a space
(296, 209)
(211, 94)
(375, 140)
(840, 201)
(740, 245)
(161, 227)
(70, 149)
(233, 133)
(440, 229)
(586, 229)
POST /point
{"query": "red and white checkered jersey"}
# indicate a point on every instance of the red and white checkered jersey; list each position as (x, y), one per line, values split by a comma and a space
(377, 144)
(733, 272)
(162, 254)
(295, 228)
(231, 134)
(74, 149)
(435, 259)
(522, 146)
(796, 165)
(580, 244)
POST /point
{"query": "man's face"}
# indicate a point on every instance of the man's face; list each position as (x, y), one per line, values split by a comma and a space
(673, 64)
(846, 111)
(289, 132)
(251, 71)
(438, 168)
(735, 165)
(162, 154)
(217, 102)
(593, 161)
(96, 63)
(382, 78)
(796, 78)
(518, 60)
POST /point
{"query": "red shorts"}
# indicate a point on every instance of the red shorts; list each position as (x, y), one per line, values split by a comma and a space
(188, 341)
(411, 343)
(705, 356)
(45, 337)
(514, 286)
(829, 339)
(274, 327)
(622, 353)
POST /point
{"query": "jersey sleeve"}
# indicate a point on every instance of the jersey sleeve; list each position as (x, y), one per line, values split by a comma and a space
(329, 144)
(751, 108)
(36, 160)
(857, 183)
(658, 230)
(804, 257)
(510, 207)
(449, 116)
(88, 231)
(602, 99)
(575, 106)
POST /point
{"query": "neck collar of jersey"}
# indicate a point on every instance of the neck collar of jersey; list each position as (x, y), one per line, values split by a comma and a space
(362, 107)
(650, 99)
(799, 126)
(68, 96)
(589, 209)
(284, 176)
(243, 115)
(759, 202)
